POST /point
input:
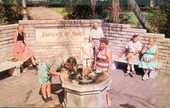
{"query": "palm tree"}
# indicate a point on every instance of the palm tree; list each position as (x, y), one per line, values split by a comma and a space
(135, 8)
(0, 2)
(93, 6)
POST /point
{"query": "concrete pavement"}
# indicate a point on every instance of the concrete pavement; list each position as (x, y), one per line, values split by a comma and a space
(23, 91)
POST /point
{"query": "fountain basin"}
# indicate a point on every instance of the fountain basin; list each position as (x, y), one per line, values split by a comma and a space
(86, 95)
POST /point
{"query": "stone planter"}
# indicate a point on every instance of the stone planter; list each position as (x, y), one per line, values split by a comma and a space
(85, 95)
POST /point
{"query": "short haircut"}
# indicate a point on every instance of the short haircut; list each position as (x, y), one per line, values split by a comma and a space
(96, 22)
(104, 40)
(72, 61)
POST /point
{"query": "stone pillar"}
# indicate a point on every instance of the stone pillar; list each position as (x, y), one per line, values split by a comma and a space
(24, 10)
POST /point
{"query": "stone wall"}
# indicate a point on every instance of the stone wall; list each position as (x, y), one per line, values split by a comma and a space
(6, 41)
(45, 49)
(65, 46)
(118, 35)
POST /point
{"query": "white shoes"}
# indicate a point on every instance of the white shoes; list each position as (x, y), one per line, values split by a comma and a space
(145, 77)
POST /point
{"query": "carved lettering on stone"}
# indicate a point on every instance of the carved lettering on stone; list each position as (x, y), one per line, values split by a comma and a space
(62, 34)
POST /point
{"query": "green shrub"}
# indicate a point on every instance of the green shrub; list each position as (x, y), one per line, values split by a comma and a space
(82, 10)
(10, 12)
(104, 13)
(167, 15)
(2, 18)
(159, 20)
(125, 18)
(78, 12)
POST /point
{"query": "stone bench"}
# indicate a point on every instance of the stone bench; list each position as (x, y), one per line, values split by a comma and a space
(13, 68)
(122, 59)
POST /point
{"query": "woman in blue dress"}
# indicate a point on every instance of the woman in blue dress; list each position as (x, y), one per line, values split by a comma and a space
(149, 59)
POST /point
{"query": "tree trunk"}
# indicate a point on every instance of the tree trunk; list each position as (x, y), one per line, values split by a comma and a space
(115, 11)
(152, 3)
(0, 3)
(135, 8)
(93, 6)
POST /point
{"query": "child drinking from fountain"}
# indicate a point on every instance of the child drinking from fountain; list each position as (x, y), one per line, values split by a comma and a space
(49, 67)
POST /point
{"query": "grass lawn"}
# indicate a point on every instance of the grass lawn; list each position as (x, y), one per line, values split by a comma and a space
(132, 17)
(60, 10)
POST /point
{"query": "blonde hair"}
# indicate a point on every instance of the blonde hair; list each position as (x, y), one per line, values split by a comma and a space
(20, 25)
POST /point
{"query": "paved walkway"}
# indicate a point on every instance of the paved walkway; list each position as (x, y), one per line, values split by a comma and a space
(23, 91)
(43, 13)
(153, 93)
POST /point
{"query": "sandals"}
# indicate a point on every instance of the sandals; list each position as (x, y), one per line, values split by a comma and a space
(134, 72)
(145, 77)
(127, 74)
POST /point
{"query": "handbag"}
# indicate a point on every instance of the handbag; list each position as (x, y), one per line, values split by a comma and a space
(153, 74)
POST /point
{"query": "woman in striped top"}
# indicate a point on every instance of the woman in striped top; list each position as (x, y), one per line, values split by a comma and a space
(103, 62)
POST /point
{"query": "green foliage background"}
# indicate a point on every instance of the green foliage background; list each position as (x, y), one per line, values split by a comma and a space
(158, 17)
(10, 12)
(159, 20)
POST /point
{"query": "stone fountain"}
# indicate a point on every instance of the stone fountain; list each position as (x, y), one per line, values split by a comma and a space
(86, 92)
(85, 88)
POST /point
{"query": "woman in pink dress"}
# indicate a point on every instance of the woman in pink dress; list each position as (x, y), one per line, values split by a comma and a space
(103, 63)
(21, 51)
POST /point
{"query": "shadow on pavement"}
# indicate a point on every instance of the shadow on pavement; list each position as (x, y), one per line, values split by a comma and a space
(4, 75)
(57, 89)
(123, 67)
